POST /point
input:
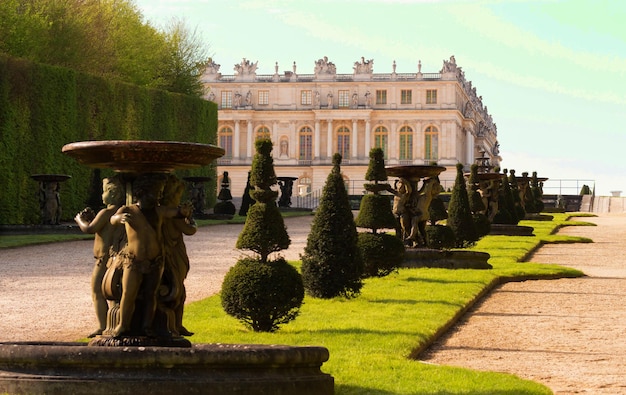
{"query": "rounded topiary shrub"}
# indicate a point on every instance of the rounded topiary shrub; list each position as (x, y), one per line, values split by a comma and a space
(382, 253)
(440, 237)
(262, 295)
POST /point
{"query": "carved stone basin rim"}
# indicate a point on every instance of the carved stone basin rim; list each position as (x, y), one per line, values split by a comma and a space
(414, 172)
(139, 156)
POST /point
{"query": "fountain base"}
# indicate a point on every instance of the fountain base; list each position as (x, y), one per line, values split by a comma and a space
(75, 368)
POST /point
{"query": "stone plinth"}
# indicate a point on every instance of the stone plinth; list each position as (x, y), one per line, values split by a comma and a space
(74, 368)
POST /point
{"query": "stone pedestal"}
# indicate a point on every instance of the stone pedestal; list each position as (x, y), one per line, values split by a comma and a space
(74, 368)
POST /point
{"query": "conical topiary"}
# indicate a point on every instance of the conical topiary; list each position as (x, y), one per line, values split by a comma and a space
(331, 263)
(459, 214)
(263, 293)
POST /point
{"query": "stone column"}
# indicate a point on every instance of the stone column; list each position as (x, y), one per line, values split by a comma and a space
(316, 140)
(250, 141)
(368, 137)
(236, 140)
(470, 146)
(329, 143)
(354, 139)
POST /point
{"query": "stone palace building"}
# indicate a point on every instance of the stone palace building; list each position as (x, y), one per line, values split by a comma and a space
(416, 118)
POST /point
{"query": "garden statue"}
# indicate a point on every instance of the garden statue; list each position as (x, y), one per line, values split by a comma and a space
(286, 190)
(49, 197)
(197, 194)
(144, 278)
(142, 258)
(176, 259)
(411, 204)
(108, 241)
(412, 208)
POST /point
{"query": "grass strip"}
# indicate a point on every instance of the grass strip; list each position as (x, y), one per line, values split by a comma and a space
(374, 340)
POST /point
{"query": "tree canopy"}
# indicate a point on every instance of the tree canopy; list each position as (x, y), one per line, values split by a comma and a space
(107, 38)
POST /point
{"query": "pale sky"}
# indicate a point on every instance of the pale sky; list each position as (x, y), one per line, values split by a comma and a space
(551, 73)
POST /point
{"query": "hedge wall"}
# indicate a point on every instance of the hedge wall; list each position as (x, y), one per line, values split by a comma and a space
(43, 107)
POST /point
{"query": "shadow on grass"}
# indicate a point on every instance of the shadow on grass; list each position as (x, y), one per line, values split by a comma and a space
(441, 281)
(343, 389)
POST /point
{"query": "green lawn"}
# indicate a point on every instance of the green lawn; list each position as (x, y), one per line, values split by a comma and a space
(374, 339)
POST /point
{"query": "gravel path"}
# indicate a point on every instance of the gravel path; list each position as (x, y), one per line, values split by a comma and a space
(568, 334)
(43, 288)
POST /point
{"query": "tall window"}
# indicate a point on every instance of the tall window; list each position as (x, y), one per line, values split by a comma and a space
(343, 142)
(227, 99)
(306, 98)
(305, 149)
(381, 97)
(264, 98)
(406, 96)
(344, 98)
(406, 143)
(381, 138)
(263, 132)
(226, 141)
(431, 96)
(431, 144)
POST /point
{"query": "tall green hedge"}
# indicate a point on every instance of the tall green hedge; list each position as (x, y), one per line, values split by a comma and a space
(44, 107)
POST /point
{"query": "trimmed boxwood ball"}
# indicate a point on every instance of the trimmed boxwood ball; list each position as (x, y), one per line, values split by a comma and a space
(262, 295)
(440, 237)
(382, 253)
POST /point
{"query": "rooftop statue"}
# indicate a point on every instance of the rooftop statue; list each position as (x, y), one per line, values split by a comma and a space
(323, 66)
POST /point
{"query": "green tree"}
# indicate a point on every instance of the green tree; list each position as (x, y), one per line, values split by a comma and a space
(331, 263)
(107, 38)
(382, 253)
(459, 214)
(261, 292)
(183, 63)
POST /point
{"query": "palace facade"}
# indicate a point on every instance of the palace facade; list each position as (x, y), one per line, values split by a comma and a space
(416, 118)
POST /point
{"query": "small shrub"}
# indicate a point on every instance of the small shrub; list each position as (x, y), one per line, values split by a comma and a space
(260, 292)
(440, 237)
(382, 253)
(262, 295)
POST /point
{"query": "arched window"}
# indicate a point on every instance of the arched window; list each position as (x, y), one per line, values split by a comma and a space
(263, 132)
(226, 141)
(381, 137)
(305, 148)
(406, 143)
(343, 142)
(431, 144)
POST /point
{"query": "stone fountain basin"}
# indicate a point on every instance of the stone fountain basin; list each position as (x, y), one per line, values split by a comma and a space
(75, 368)
(141, 156)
